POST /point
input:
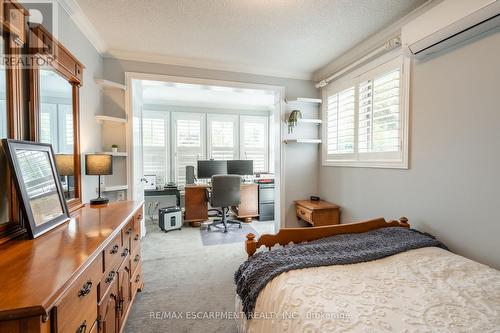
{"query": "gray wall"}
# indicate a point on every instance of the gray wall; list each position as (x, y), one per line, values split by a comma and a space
(90, 94)
(452, 188)
(302, 161)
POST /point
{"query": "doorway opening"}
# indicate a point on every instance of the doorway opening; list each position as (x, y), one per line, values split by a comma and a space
(178, 125)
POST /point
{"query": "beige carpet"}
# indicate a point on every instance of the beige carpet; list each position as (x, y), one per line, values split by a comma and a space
(181, 276)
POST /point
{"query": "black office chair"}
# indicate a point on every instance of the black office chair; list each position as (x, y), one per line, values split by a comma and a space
(225, 193)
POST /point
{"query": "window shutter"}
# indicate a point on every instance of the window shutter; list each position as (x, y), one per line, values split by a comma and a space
(154, 134)
(189, 142)
(222, 144)
(340, 122)
(379, 114)
(254, 141)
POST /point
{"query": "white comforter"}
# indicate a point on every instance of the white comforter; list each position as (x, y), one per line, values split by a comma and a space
(424, 290)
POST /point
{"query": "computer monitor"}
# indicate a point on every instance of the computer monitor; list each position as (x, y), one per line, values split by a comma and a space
(208, 168)
(240, 167)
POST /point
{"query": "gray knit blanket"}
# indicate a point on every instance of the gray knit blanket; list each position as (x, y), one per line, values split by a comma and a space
(253, 275)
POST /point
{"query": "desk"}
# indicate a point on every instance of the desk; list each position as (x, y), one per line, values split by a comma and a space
(196, 204)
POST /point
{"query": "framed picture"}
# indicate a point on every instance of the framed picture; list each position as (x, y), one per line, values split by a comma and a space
(38, 185)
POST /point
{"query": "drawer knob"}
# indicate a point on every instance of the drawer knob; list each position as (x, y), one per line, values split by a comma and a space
(129, 231)
(302, 212)
(137, 278)
(139, 217)
(125, 252)
(114, 249)
(82, 328)
(137, 257)
(86, 289)
(111, 277)
(136, 238)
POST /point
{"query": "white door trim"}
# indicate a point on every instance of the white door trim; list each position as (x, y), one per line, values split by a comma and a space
(279, 128)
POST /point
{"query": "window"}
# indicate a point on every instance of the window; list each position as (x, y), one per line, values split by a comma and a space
(189, 142)
(57, 126)
(155, 144)
(366, 116)
(254, 141)
(222, 137)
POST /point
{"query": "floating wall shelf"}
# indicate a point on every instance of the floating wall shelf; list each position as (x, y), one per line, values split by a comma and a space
(117, 154)
(303, 141)
(110, 84)
(108, 118)
(310, 121)
(304, 100)
(115, 188)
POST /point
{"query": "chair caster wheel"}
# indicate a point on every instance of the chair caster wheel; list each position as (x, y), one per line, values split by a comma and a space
(225, 230)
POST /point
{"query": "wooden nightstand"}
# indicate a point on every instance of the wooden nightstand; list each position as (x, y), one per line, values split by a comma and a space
(317, 213)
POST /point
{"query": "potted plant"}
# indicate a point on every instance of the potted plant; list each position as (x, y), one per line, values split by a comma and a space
(114, 148)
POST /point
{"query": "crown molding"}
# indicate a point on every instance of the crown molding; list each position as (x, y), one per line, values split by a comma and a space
(204, 64)
(83, 23)
(371, 43)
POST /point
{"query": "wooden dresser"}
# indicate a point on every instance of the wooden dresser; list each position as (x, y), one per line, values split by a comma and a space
(317, 213)
(81, 277)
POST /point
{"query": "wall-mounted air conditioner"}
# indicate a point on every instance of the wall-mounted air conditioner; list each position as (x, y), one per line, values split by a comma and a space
(448, 23)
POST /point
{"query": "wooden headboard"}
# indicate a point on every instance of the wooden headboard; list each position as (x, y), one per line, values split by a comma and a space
(299, 235)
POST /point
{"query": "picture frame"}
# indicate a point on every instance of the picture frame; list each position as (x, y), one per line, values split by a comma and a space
(38, 185)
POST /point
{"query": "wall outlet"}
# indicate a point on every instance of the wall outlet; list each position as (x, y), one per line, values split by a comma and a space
(120, 195)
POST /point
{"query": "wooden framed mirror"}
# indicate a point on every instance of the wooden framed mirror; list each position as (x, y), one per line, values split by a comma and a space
(55, 79)
(12, 33)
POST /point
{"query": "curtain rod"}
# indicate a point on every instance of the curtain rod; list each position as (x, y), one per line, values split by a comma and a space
(391, 44)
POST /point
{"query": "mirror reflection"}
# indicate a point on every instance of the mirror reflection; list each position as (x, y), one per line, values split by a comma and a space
(4, 184)
(56, 124)
(40, 185)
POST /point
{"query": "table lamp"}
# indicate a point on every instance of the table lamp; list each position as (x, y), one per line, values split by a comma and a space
(98, 165)
(66, 167)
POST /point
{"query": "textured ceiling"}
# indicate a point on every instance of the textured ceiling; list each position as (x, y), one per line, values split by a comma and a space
(289, 36)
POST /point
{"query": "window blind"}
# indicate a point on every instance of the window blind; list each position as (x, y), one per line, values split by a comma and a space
(222, 136)
(340, 122)
(254, 141)
(189, 142)
(379, 109)
(154, 132)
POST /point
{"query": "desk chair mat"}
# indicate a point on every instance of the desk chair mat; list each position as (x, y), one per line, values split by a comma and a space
(233, 235)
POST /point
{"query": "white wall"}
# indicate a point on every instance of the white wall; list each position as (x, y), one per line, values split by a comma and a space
(452, 188)
(90, 94)
(302, 161)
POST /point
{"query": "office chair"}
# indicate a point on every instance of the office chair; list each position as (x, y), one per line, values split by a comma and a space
(225, 193)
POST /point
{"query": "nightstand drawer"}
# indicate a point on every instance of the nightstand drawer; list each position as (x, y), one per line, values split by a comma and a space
(304, 213)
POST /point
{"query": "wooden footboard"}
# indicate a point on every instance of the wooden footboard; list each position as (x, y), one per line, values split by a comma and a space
(299, 235)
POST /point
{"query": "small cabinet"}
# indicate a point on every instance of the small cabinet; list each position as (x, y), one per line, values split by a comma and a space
(107, 320)
(124, 291)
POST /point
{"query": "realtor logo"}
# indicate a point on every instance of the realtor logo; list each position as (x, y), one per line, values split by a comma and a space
(37, 49)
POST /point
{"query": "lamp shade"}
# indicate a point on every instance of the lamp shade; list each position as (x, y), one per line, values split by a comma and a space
(98, 164)
(65, 164)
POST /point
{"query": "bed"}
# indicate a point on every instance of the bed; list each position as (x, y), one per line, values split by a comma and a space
(427, 289)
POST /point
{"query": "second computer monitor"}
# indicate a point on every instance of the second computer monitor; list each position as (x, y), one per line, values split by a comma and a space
(209, 168)
(240, 167)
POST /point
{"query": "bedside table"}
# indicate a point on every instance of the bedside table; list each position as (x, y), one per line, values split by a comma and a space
(317, 213)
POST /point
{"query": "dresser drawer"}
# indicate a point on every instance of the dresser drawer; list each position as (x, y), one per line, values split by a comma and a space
(112, 253)
(128, 234)
(304, 213)
(135, 260)
(137, 279)
(78, 307)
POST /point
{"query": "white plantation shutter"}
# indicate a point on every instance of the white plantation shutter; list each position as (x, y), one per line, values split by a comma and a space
(340, 122)
(48, 125)
(65, 128)
(189, 142)
(379, 113)
(222, 137)
(155, 144)
(254, 141)
(366, 116)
